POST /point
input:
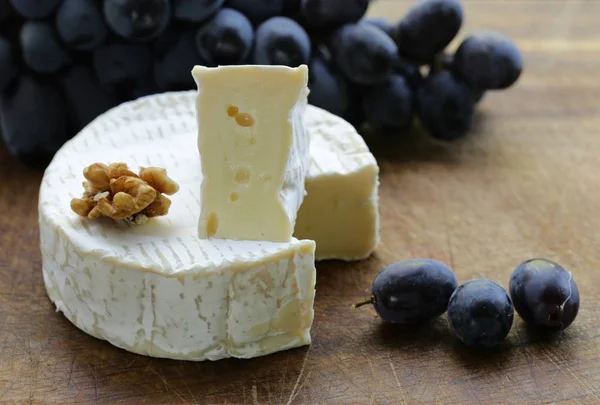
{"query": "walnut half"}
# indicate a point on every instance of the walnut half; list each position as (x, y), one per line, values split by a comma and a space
(116, 192)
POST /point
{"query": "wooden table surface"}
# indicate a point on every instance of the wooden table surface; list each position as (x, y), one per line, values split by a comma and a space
(526, 183)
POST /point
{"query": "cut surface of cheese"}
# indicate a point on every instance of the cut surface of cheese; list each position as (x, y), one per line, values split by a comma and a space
(254, 150)
(158, 289)
(341, 209)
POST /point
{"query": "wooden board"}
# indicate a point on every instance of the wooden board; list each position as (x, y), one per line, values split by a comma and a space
(525, 184)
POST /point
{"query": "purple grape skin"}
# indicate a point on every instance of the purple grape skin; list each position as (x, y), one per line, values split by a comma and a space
(8, 65)
(33, 120)
(41, 49)
(413, 291)
(389, 106)
(332, 13)
(281, 41)
(86, 99)
(35, 9)
(427, 28)
(545, 294)
(364, 53)
(80, 24)
(328, 89)
(488, 60)
(480, 313)
(175, 55)
(195, 10)
(137, 20)
(226, 39)
(257, 10)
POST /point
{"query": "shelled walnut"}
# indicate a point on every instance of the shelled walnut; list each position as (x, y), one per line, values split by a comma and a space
(116, 192)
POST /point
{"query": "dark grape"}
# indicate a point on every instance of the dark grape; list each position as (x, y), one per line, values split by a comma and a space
(257, 10)
(488, 60)
(86, 99)
(32, 117)
(137, 20)
(122, 68)
(409, 71)
(389, 105)
(445, 106)
(226, 39)
(8, 67)
(5, 10)
(281, 41)
(330, 13)
(35, 9)
(80, 24)
(195, 10)
(364, 53)
(480, 313)
(381, 23)
(42, 50)
(427, 28)
(328, 89)
(291, 8)
(175, 55)
(545, 294)
(412, 291)
(354, 113)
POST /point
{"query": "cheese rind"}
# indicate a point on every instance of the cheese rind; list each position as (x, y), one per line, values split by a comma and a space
(254, 150)
(157, 289)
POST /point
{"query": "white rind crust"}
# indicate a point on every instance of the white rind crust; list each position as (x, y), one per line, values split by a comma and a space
(156, 289)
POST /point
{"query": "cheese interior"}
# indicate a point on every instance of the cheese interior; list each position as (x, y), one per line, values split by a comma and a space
(253, 148)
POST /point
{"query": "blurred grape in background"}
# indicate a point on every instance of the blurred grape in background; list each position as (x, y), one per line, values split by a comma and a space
(64, 62)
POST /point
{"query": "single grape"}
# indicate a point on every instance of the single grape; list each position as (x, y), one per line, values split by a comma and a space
(427, 28)
(226, 39)
(5, 10)
(80, 24)
(545, 294)
(137, 20)
(330, 13)
(488, 60)
(257, 10)
(8, 66)
(412, 291)
(175, 55)
(328, 89)
(122, 68)
(281, 41)
(35, 9)
(389, 106)
(32, 118)
(195, 10)
(364, 53)
(381, 23)
(445, 106)
(86, 99)
(480, 313)
(41, 49)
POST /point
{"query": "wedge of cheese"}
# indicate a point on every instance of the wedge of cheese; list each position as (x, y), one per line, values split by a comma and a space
(253, 148)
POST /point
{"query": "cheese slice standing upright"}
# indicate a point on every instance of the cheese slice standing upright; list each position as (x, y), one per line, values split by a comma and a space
(254, 150)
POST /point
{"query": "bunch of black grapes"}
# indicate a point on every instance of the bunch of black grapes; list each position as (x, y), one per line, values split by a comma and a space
(64, 62)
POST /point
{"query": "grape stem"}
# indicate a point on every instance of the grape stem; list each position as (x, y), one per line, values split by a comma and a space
(366, 301)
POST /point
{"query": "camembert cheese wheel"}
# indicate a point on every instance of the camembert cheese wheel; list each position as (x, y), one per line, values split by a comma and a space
(156, 288)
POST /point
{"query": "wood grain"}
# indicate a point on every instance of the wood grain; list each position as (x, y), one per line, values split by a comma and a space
(524, 184)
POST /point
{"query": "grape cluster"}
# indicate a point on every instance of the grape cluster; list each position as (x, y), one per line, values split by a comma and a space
(64, 62)
(480, 312)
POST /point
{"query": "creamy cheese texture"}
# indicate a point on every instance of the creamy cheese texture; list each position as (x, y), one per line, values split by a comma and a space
(254, 150)
(158, 289)
(341, 208)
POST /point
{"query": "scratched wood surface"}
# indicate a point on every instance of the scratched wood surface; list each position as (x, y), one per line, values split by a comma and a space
(525, 184)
